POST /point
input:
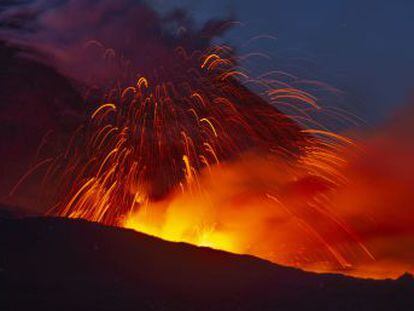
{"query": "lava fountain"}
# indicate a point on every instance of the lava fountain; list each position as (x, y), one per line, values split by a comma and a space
(189, 153)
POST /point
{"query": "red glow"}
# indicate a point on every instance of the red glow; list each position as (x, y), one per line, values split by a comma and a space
(189, 154)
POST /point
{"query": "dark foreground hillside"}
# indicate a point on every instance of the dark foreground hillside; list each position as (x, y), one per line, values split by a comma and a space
(61, 264)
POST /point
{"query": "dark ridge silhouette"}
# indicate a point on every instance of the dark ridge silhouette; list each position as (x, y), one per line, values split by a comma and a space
(64, 264)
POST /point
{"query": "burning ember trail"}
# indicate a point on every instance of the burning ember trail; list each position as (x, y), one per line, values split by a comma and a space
(190, 154)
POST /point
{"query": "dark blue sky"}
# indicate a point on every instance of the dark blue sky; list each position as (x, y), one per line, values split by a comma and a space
(363, 47)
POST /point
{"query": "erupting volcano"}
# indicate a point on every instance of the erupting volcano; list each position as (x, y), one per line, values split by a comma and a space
(189, 153)
(178, 140)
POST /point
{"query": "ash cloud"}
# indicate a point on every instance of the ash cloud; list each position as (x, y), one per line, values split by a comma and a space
(60, 31)
(47, 63)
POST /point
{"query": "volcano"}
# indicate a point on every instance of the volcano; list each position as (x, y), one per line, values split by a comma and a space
(67, 264)
(145, 133)
(175, 138)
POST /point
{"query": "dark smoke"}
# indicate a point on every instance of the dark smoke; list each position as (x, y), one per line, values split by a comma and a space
(52, 52)
(73, 34)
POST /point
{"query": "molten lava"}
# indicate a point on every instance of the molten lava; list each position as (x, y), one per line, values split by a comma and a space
(190, 154)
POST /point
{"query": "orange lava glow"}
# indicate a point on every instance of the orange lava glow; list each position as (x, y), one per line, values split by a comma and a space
(285, 213)
(190, 154)
(262, 206)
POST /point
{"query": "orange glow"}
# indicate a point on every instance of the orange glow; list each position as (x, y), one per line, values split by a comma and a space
(196, 157)
(269, 208)
(283, 212)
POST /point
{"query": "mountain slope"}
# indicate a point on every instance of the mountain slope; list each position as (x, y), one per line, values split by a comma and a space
(63, 264)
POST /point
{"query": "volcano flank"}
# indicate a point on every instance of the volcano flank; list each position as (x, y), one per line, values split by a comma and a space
(66, 264)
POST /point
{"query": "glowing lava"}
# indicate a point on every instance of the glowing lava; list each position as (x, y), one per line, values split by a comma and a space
(190, 154)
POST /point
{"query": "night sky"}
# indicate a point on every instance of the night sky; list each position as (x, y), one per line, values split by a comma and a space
(363, 48)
